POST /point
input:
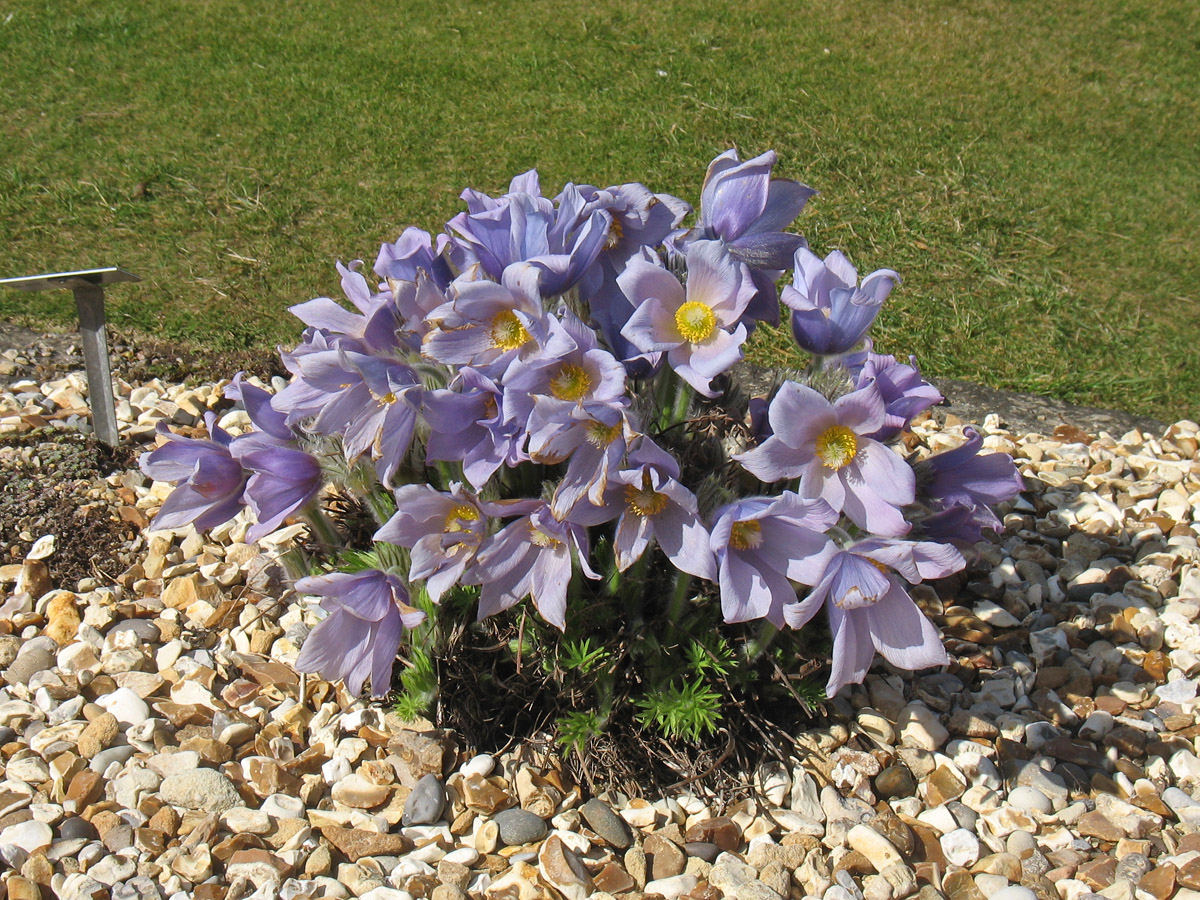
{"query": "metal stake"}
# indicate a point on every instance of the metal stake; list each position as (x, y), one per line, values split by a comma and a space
(88, 287)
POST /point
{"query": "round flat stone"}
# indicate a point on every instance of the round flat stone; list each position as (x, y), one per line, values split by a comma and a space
(519, 826)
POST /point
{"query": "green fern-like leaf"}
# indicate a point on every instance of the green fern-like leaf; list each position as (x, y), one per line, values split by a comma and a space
(582, 656)
(575, 729)
(691, 710)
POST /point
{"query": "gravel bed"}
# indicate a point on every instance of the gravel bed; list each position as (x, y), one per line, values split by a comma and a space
(156, 743)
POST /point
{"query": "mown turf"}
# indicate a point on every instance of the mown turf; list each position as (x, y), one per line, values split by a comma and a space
(1031, 169)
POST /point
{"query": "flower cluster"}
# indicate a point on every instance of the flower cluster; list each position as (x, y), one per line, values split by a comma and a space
(525, 385)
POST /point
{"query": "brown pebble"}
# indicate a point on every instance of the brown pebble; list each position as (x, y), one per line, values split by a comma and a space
(99, 733)
(1098, 873)
(720, 830)
(1159, 882)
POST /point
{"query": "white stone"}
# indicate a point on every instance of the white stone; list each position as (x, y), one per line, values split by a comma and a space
(878, 850)
(920, 727)
(126, 706)
(671, 888)
(283, 806)
(483, 764)
(960, 847)
(30, 835)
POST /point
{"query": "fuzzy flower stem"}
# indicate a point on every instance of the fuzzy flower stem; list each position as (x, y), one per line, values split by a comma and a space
(322, 529)
(761, 642)
(679, 596)
(683, 401)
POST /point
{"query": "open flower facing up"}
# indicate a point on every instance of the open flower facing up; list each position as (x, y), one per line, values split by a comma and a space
(762, 544)
(531, 557)
(698, 327)
(826, 446)
(961, 485)
(211, 483)
(870, 609)
(830, 312)
(488, 325)
(358, 639)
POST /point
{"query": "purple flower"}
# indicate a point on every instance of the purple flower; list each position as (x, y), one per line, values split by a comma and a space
(690, 326)
(962, 485)
(830, 312)
(414, 252)
(582, 374)
(530, 557)
(372, 329)
(467, 425)
(443, 530)
(488, 325)
(826, 445)
(869, 608)
(649, 503)
(210, 482)
(368, 612)
(762, 544)
(905, 393)
(745, 208)
(593, 436)
(523, 226)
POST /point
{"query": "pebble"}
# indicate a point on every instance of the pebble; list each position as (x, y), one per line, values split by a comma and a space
(425, 804)
(519, 826)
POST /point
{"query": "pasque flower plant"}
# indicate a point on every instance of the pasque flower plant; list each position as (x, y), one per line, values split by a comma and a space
(538, 405)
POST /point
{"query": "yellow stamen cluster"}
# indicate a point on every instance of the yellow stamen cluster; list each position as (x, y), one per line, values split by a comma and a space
(388, 398)
(571, 382)
(459, 518)
(507, 331)
(745, 535)
(601, 435)
(644, 501)
(696, 321)
(539, 538)
(615, 233)
(837, 446)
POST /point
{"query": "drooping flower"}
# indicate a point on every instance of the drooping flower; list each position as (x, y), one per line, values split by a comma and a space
(531, 557)
(905, 393)
(762, 544)
(746, 209)
(826, 446)
(961, 486)
(830, 312)
(284, 479)
(592, 438)
(649, 503)
(210, 482)
(870, 609)
(358, 639)
(698, 327)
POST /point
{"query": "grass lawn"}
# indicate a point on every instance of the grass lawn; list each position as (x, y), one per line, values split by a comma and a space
(1031, 169)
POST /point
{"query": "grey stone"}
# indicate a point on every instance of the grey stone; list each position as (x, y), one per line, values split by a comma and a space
(606, 823)
(425, 804)
(519, 826)
(146, 630)
(37, 655)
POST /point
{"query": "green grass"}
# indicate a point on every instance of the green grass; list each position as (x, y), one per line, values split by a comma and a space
(1031, 169)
